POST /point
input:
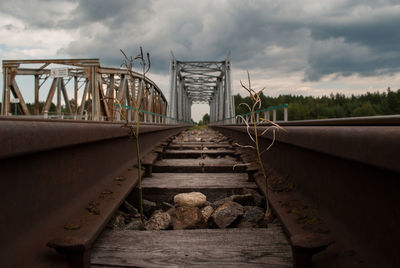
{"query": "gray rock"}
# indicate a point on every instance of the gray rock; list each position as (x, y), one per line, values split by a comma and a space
(207, 212)
(149, 207)
(207, 203)
(244, 199)
(158, 221)
(253, 217)
(193, 199)
(259, 199)
(186, 218)
(118, 220)
(164, 206)
(220, 202)
(133, 212)
(135, 224)
(225, 215)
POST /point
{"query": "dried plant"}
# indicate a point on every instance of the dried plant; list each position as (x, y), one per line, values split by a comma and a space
(134, 129)
(255, 134)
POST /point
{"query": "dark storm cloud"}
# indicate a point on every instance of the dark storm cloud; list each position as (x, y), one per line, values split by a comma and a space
(111, 14)
(366, 44)
(36, 14)
(317, 39)
(198, 32)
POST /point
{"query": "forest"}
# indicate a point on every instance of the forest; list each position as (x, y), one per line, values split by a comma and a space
(333, 106)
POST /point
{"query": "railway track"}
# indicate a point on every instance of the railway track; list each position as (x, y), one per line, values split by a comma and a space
(205, 167)
(345, 171)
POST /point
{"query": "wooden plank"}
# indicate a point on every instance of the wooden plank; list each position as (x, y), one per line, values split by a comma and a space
(200, 180)
(215, 151)
(206, 248)
(196, 162)
(197, 165)
(164, 186)
(195, 153)
(198, 145)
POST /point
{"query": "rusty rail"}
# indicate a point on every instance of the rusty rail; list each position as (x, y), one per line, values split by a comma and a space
(51, 170)
(349, 169)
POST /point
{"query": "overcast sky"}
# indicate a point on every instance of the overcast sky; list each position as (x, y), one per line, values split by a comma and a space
(289, 47)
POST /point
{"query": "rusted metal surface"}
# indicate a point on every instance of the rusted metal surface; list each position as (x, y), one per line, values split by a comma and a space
(24, 135)
(351, 174)
(51, 172)
(371, 145)
(384, 120)
(99, 87)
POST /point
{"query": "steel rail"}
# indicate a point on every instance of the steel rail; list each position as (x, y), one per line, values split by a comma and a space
(384, 120)
(350, 170)
(50, 172)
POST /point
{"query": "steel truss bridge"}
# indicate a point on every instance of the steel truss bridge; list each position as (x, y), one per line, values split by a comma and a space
(201, 82)
(52, 168)
(97, 90)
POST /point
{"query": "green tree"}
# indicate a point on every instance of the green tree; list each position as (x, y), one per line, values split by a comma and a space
(365, 110)
(206, 119)
(332, 106)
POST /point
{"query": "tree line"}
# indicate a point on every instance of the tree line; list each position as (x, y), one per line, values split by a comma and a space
(333, 106)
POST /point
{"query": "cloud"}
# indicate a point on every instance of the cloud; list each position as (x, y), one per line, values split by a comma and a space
(362, 39)
(194, 31)
(306, 41)
(339, 37)
(38, 14)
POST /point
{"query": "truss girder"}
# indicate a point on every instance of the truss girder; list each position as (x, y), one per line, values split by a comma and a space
(201, 82)
(100, 85)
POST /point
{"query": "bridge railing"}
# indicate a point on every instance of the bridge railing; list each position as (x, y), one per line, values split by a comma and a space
(263, 113)
(95, 89)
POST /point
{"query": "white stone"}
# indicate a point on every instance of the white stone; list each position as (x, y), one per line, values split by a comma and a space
(193, 199)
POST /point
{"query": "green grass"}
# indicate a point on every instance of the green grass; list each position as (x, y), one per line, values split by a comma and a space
(198, 127)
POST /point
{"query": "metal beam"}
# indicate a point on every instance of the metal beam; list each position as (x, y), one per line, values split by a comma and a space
(203, 82)
(100, 104)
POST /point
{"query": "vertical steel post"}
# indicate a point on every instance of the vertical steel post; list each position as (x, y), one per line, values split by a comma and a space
(36, 111)
(76, 87)
(93, 93)
(179, 100)
(267, 115)
(274, 115)
(59, 85)
(6, 93)
(285, 114)
(221, 100)
(211, 111)
(172, 103)
(230, 112)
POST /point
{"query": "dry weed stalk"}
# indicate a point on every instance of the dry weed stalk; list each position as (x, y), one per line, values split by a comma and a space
(255, 97)
(134, 129)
